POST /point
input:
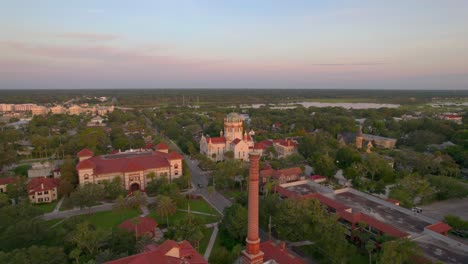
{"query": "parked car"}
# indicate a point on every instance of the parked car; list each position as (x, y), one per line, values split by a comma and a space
(416, 210)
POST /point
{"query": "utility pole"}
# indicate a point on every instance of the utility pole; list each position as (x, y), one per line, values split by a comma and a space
(269, 228)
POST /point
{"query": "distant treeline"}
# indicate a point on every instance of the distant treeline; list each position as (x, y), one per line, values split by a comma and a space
(164, 97)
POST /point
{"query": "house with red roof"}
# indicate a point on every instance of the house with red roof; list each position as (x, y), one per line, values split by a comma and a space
(140, 226)
(43, 190)
(283, 147)
(169, 252)
(282, 175)
(4, 182)
(135, 167)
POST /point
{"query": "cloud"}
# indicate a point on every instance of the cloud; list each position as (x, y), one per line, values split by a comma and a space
(87, 36)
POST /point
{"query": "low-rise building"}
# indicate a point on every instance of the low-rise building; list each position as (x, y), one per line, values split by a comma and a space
(39, 110)
(4, 182)
(43, 190)
(281, 176)
(365, 141)
(135, 167)
(58, 110)
(282, 147)
(168, 252)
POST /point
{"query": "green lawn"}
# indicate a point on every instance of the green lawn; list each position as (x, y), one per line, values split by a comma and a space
(110, 219)
(206, 219)
(53, 221)
(204, 242)
(232, 194)
(47, 207)
(200, 205)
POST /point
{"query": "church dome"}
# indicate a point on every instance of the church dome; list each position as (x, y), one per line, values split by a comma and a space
(233, 117)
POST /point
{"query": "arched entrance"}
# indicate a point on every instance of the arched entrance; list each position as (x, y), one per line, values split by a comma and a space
(134, 187)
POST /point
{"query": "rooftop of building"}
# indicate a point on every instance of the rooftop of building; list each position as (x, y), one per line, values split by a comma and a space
(169, 252)
(42, 184)
(279, 253)
(128, 161)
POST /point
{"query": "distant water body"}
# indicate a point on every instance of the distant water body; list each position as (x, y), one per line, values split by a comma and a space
(320, 104)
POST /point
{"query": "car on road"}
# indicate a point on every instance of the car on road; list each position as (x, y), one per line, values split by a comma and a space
(200, 185)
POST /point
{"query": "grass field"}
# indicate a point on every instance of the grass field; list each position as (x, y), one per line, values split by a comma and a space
(201, 205)
(206, 239)
(47, 207)
(111, 219)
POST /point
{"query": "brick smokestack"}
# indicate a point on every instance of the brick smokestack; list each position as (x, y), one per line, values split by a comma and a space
(252, 254)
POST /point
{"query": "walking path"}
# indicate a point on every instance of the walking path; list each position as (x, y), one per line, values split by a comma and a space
(144, 210)
(211, 243)
(59, 204)
(196, 212)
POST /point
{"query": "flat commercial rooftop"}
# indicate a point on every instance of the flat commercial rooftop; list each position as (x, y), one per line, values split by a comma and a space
(381, 212)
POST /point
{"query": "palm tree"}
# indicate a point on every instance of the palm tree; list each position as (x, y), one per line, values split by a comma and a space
(370, 246)
(165, 207)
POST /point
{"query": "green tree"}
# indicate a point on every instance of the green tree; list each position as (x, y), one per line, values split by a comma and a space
(165, 207)
(188, 228)
(415, 188)
(17, 189)
(399, 251)
(325, 165)
(234, 222)
(114, 188)
(68, 171)
(87, 239)
(33, 255)
(87, 195)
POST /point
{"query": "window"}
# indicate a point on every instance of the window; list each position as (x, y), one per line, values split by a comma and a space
(46, 192)
(47, 199)
(176, 173)
(39, 193)
(40, 200)
(86, 176)
(176, 166)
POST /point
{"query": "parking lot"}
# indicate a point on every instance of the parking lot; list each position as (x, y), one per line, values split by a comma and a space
(458, 207)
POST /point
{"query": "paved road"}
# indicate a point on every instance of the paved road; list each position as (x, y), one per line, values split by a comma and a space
(218, 201)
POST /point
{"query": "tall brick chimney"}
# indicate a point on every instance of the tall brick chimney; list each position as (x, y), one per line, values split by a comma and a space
(252, 253)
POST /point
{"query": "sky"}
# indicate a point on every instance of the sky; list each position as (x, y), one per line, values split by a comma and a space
(328, 44)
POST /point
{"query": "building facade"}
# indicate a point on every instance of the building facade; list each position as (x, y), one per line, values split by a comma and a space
(135, 168)
(233, 138)
(43, 190)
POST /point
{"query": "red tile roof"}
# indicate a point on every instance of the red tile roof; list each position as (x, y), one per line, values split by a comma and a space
(161, 146)
(317, 177)
(144, 226)
(330, 202)
(216, 140)
(174, 156)
(42, 184)
(128, 161)
(264, 144)
(169, 252)
(236, 141)
(374, 223)
(149, 146)
(85, 153)
(85, 164)
(5, 181)
(439, 227)
(274, 252)
(285, 142)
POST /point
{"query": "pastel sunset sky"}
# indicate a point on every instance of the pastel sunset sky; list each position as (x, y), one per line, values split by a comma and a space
(368, 44)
